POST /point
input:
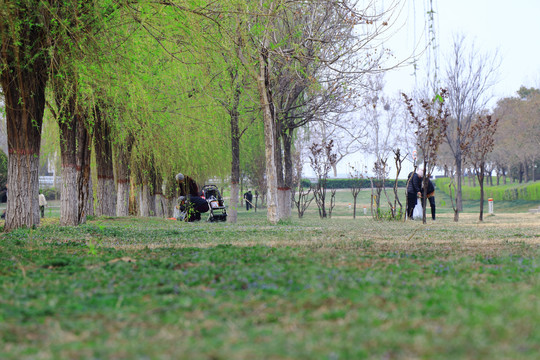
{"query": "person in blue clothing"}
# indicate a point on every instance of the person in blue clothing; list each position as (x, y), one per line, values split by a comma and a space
(414, 190)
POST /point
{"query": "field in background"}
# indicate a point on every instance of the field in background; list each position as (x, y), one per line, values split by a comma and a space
(344, 198)
(148, 288)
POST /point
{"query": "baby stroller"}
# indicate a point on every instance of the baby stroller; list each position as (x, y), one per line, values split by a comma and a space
(217, 211)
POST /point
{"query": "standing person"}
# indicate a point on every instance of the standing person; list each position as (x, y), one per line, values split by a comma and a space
(190, 200)
(431, 197)
(250, 199)
(248, 196)
(42, 204)
(245, 198)
(414, 191)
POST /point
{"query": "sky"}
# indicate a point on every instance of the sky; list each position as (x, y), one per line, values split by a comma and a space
(509, 28)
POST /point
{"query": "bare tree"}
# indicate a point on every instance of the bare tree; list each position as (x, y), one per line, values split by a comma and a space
(304, 199)
(308, 87)
(431, 122)
(470, 75)
(479, 142)
(321, 160)
(356, 186)
(398, 158)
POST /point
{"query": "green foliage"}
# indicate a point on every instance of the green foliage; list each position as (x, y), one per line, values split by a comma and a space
(509, 192)
(386, 214)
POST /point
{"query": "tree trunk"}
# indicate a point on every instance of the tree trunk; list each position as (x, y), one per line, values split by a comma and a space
(123, 172)
(122, 197)
(281, 188)
(170, 196)
(285, 199)
(68, 122)
(84, 179)
(269, 137)
(232, 214)
(68, 205)
(106, 192)
(145, 199)
(160, 206)
(90, 210)
(481, 182)
(23, 191)
(459, 174)
(24, 73)
(354, 206)
(152, 192)
(106, 197)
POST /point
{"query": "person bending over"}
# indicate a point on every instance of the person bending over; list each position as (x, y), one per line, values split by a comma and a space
(190, 202)
(414, 188)
(431, 197)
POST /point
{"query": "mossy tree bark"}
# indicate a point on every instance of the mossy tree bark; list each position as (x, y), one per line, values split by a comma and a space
(123, 172)
(106, 191)
(23, 76)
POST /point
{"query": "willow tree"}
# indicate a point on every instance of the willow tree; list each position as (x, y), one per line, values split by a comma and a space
(75, 50)
(479, 142)
(24, 41)
(33, 36)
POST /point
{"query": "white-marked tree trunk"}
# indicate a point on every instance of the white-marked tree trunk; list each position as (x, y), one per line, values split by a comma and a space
(232, 210)
(106, 191)
(123, 173)
(269, 138)
(144, 203)
(22, 204)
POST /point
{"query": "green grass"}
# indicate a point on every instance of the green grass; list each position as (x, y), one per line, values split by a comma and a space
(442, 200)
(529, 191)
(132, 288)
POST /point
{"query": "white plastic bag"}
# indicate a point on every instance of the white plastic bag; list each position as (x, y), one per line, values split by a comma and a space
(417, 212)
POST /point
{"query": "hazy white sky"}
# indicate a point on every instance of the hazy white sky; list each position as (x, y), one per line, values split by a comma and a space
(510, 27)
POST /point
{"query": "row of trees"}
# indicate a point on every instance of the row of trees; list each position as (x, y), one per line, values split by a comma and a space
(160, 87)
(226, 89)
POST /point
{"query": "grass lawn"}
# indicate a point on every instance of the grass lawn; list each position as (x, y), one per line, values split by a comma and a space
(134, 288)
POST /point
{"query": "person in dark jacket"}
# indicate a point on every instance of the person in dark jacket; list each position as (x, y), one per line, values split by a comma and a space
(431, 197)
(190, 200)
(414, 191)
(249, 198)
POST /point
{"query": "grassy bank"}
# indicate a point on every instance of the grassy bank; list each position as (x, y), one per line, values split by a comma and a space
(307, 289)
(510, 192)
